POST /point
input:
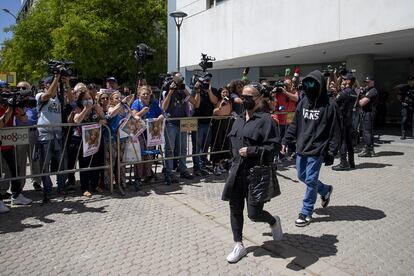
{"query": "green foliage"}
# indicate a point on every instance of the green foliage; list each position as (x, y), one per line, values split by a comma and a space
(100, 36)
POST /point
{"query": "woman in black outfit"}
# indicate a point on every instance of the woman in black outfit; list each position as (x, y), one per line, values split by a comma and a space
(254, 134)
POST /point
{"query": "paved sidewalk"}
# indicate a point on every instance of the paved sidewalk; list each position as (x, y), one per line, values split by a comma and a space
(185, 230)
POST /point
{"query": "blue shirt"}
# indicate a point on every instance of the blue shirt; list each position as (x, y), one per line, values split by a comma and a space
(31, 114)
(154, 109)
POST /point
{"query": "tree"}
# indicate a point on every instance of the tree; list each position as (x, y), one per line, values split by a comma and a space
(100, 36)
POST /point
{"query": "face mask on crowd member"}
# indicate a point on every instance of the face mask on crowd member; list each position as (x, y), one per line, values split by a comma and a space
(312, 89)
(251, 97)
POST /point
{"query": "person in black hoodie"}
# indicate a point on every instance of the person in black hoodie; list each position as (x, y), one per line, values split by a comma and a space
(316, 128)
(253, 136)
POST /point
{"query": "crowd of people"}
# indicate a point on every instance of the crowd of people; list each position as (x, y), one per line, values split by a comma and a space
(56, 149)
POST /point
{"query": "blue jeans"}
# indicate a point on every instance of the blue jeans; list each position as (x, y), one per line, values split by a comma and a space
(46, 151)
(308, 168)
(201, 143)
(175, 141)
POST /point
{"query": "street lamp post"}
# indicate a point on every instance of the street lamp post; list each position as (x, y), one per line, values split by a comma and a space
(9, 12)
(178, 19)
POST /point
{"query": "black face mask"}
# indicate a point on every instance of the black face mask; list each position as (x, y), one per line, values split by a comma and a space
(311, 88)
(248, 103)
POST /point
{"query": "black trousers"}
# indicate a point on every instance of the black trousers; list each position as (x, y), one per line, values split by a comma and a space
(406, 114)
(368, 128)
(347, 146)
(9, 157)
(254, 212)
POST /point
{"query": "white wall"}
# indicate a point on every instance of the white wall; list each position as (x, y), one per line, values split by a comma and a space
(236, 28)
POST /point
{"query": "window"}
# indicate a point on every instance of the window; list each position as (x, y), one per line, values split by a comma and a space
(212, 3)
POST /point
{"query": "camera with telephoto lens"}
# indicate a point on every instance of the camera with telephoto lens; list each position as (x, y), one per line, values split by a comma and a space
(168, 80)
(18, 99)
(60, 67)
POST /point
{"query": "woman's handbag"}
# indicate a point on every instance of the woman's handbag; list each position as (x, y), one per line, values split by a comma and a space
(263, 183)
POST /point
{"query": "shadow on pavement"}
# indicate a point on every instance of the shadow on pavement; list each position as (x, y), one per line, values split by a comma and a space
(348, 213)
(388, 153)
(322, 246)
(13, 221)
(368, 165)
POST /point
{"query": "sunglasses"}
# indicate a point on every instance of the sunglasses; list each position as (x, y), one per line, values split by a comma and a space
(21, 88)
(248, 96)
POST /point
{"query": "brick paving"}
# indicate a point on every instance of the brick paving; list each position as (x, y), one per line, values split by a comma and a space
(184, 229)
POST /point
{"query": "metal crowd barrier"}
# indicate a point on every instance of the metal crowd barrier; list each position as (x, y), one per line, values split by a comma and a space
(19, 135)
(187, 125)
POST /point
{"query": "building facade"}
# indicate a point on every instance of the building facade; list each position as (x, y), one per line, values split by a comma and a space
(373, 37)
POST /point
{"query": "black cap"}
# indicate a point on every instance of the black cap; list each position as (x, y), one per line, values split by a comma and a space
(349, 76)
(410, 78)
(369, 78)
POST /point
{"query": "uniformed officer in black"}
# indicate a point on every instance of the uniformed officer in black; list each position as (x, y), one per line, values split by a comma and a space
(346, 101)
(407, 106)
(367, 102)
(252, 134)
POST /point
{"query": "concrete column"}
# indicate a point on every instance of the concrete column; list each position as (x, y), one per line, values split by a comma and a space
(363, 64)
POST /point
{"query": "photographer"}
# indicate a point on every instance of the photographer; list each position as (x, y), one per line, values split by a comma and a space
(7, 114)
(367, 100)
(346, 101)
(316, 127)
(49, 142)
(406, 97)
(25, 151)
(285, 98)
(205, 101)
(175, 104)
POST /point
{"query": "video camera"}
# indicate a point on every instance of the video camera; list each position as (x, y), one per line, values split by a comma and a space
(142, 54)
(18, 99)
(206, 62)
(203, 77)
(269, 89)
(342, 70)
(60, 67)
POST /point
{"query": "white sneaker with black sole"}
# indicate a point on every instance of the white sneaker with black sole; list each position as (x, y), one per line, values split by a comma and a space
(276, 229)
(21, 200)
(3, 208)
(239, 251)
(303, 220)
(326, 198)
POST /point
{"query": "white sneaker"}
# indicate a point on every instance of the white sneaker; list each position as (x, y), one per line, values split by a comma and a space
(3, 208)
(276, 228)
(21, 200)
(239, 251)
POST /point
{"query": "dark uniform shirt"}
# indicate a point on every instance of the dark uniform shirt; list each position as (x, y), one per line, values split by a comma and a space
(346, 101)
(259, 134)
(372, 95)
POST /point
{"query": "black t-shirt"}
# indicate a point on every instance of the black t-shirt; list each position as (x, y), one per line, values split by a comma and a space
(407, 96)
(372, 95)
(178, 106)
(206, 107)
